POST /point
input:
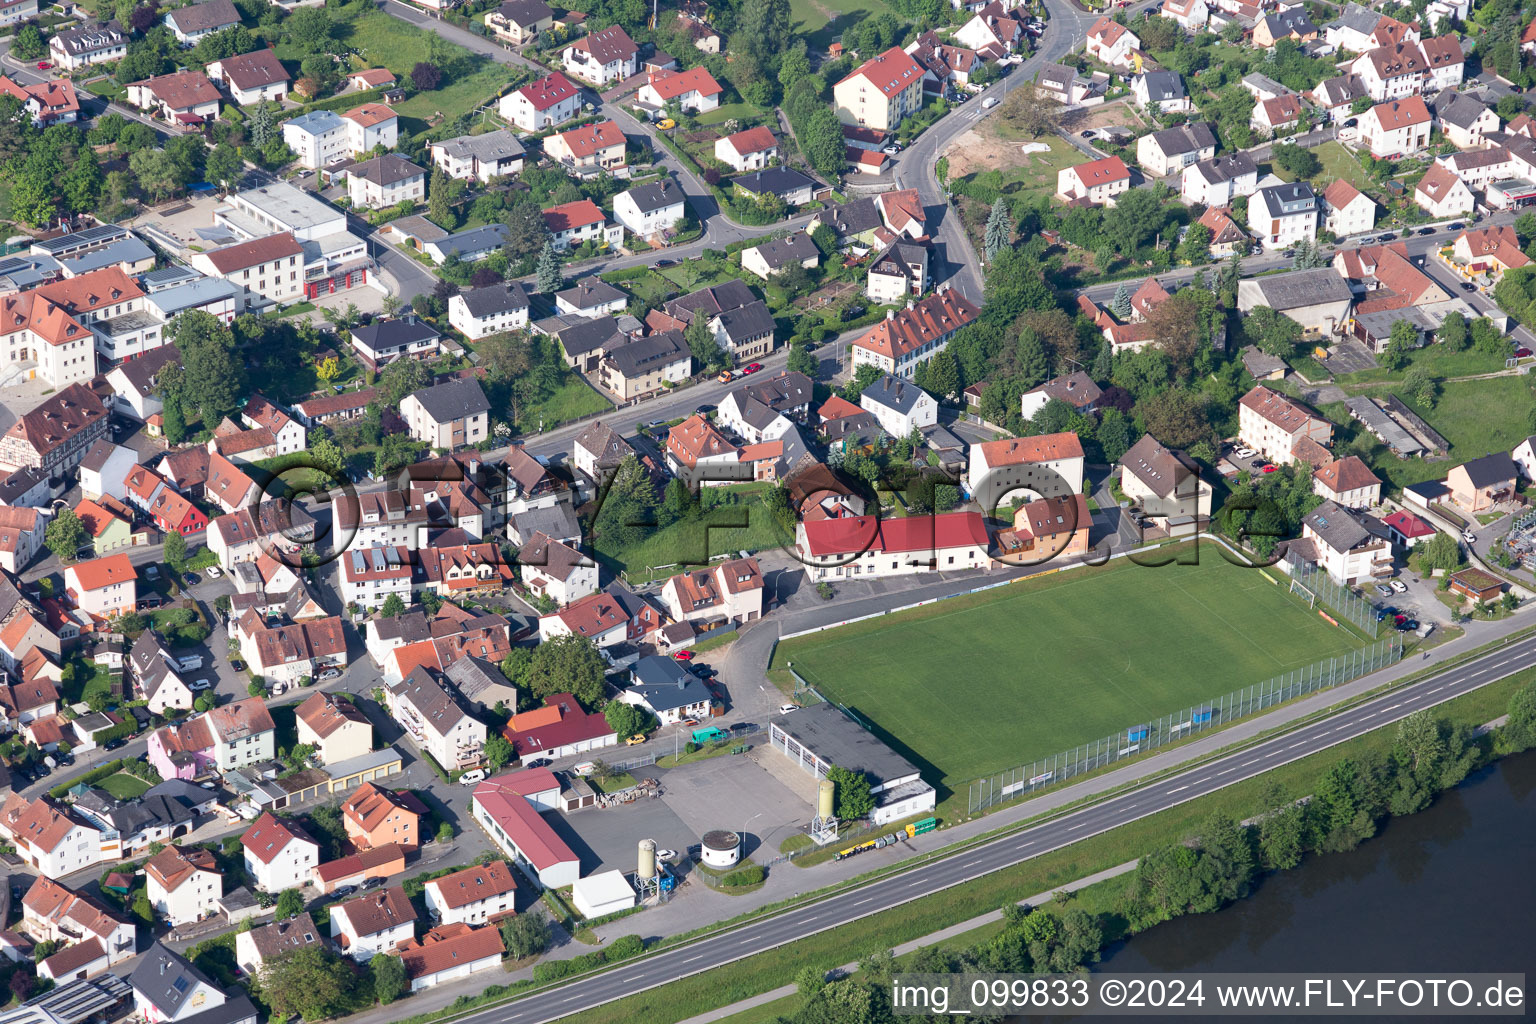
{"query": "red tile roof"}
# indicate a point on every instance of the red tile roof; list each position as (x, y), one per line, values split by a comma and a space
(568, 216)
(1023, 450)
(104, 572)
(910, 534)
(891, 72)
(243, 255)
(473, 884)
(753, 140)
(503, 800)
(548, 91)
(929, 319)
(444, 948)
(669, 85)
(267, 838)
(370, 114)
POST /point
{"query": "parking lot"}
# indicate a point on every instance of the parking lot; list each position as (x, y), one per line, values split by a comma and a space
(737, 793)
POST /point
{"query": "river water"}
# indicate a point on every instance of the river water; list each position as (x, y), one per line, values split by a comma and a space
(1449, 889)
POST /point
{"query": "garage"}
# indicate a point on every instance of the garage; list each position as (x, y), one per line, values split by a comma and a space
(606, 892)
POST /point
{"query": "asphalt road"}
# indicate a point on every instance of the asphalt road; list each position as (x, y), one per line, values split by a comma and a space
(760, 936)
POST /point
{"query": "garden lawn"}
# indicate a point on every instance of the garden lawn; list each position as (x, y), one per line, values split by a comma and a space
(571, 401)
(748, 526)
(1439, 361)
(821, 22)
(979, 684)
(123, 786)
(741, 111)
(1339, 162)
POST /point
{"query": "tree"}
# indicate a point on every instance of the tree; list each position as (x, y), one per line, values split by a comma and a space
(393, 605)
(854, 800)
(820, 138)
(311, 981)
(1283, 837)
(801, 361)
(525, 935)
(438, 195)
(548, 276)
(426, 77)
(328, 369)
(255, 689)
(566, 664)
(701, 342)
(1453, 332)
(999, 229)
(29, 44)
(225, 167)
(626, 719)
(290, 903)
(396, 451)
(1403, 339)
(309, 29)
(762, 29)
(175, 424)
(65, 535)
(156, 173)
(83, 182)
(176, 552)
(1273, 332)
(498, 751)
(213, 374)
(1297, 162)
(1439, 552)
(943, 375)
(389, 980)
(1429, 756)
(1026, 109)
(1177, 325)
(1419, 383)
(263, 126)
(1519, 731)
(1196, 247)
(1114, 434)
(400, 378)
(1137, 216)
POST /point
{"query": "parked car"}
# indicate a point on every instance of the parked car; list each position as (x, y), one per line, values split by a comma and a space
(44, 65)
(191, 579)
(989, 102)
(1088, 134)
(1468, 286)
(330, 673)
(662, 263)
(705, 408)
(344, 891)
(1399, 587)
(213, 572)
(1386, 236)
(374, 883)
(1458, 226)
(744, 727)
(1469, 537)
(151, 572)
(1408, 624)
(201, 684)
(726, 376)
(785, 709)
(683, 655)
(538, 762)
(472, 776)
(1383, 590)
(117, 744)
(1522, 352)
(634, 741)
(1269, 469)
(752, 367)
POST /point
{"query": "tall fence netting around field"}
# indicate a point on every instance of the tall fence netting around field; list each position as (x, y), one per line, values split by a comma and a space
(1344, 601)
(1138, 739)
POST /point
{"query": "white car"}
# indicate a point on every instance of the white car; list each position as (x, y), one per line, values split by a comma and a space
(213, 572)
(1399, 586)
(785, 709)
(201, 684)
(1469, 537)
(989, 102)
(469, 778)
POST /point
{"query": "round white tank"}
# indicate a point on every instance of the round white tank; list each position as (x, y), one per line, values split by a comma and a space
(720, 848)
(647, 865)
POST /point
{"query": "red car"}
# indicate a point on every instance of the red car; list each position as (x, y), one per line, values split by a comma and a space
(752, 367)
(683, 655)
(1521, 353)
(43, 65)
(1270, 469)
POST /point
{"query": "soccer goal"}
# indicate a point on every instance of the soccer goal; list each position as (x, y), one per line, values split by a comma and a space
(1304, 593)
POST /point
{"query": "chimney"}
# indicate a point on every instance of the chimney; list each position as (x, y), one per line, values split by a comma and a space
(890, 314)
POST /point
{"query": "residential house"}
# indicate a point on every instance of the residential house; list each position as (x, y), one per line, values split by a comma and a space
(156, 677)
(1465, 121)
(1191, 15)
(89, 43)
(382, 342)
(1077, 389)
(909, 336)
(1172, 150)
(1292, 24)
(279, 854)
(1524, 458)
(694, 91)
(182, 97)
(184, 886)
(374, 816)
(448, 416)
(551, 100)
(469, 245)
(52, 840)
(370, 126)
(520, 22)
(749, 150)
(1277, 115)
(1440, 193)
(387, 180)
(288, 432)
(771, 257)
(700, 453)
(899, 406)
(601, 58)
(1337, 542)
(110, 528)
(267, 270)
(574, 224)
(195, 21)
(57, 433)
(558, 729)
(375, 922)
(1282, 215)
(1047, 528)
(481, 894)
(494, 309)
(646, 365)
(1165, 483)
(104, 468)
(1477, 486)
(865, 547)
(254, 948)
(1066, 85)
(450, 952)
(1348, 482)
(21, 536)
(559, 571)
(730, 592)
(882, 92)
(599, 450)
(1346, 210)
(666, 688)
(761, 410)
(1490, 250)
(1219, 180)
(435, 720)
(479, 157)
(50, 102)
(333, 725)
(93, 937)
(102, 587)
(900, 272)
(787, 184)
(1336, 96)
(1046, 465)
(289, 653)
(1161, 92)
(651, 210)
(1273, 425)
(613, 615)
(255, 77)
(1094, 182)
(1396, 129)
(994, 30)
(1114, 44)
(167, 989)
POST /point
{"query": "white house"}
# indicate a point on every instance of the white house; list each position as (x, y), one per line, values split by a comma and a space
(369, 126)
(1112, 43)
(103, 587)
(1397, 128)
(1097, 181)
(1172, 150)
(1524, 458)
(386, 181)
(552, 100)
(652, 209)
(375, 922)
(749, 150)
(184, 886)
(1346, 210)
(899, 406)
(475, 895)
(866, 547)
(52, 840)
(909, 336)
(195, 21)
(731, 590)
(1282, 215)
(1077, 389)
(771, 257)
(1272, 425)
(450, 953)
(1219, 180)
(253, 77)
(1338, 543)
(1348, 482)
(559, 571)
(168, 989)
(667, 689)
(1046, 465)
(494, 309)
(601, 58)
(288, 432)
(1440, 193)
(371, 575)
(318, 138)
(436, 720)
(1190, 14)
(278, 854)
(694, 91)
(1465, 121)
(1161, 91)
(479, 157)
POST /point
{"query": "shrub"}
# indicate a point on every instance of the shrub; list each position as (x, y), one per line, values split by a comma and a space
(752, 874)
(626, 946)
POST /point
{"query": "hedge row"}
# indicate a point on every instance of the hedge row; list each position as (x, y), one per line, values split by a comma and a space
(622, 948)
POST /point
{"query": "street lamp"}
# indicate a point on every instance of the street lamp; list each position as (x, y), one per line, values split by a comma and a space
(749, 821)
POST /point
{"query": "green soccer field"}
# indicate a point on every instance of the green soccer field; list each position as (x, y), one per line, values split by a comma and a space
(979, 684)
